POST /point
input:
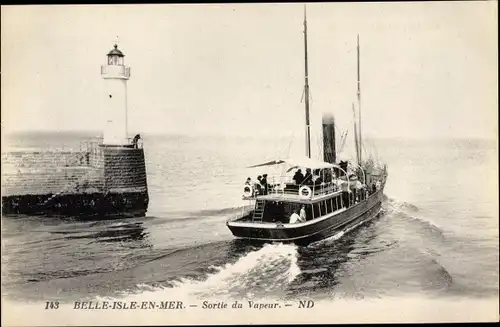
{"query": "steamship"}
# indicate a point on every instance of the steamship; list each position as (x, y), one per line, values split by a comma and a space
(334, 196)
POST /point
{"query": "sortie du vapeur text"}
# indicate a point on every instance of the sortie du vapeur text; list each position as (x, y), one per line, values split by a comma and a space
(180, 305)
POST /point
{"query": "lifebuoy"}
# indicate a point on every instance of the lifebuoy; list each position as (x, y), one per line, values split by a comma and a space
(247, 190)
(305, 191)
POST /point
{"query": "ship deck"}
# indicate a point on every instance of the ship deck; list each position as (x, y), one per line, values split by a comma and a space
(296, 198)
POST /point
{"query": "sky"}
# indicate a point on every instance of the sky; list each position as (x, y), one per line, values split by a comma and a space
(428, 69)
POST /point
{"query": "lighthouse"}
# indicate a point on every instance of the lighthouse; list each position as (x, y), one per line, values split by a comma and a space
(106, 178)
(123, 162)
(115, 75)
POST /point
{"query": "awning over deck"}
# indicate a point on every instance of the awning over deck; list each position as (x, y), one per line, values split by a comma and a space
(299, 162)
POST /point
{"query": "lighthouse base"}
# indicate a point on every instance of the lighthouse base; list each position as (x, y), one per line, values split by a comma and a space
(99, 181)
(92, 205)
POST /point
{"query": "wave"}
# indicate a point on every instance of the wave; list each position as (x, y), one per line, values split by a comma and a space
(176, 216)
(426, 237)
(406, 211)
(403, 205)
(256, 274)
(342, 233)
(212, 212)
(199, 247)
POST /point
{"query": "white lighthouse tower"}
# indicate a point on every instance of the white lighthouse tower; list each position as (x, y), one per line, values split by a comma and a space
(116, 75)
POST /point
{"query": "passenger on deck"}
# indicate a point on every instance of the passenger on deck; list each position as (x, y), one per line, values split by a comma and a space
(374, 188)
(303, 216)
(294, 218)
(328, 176)
(359, 191)
(249, 186)
(345, 199)
(298, 177)
(317, 177)
(308, 177)
(258, 185)
(265, 186)
(354, 195)
(378, 185)
(343, 166)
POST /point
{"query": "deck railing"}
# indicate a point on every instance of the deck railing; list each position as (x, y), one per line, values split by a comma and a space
(285, 185)
(313, 189)
(245, 211)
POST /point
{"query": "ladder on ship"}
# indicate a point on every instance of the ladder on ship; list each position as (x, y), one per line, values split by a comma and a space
(258, 214)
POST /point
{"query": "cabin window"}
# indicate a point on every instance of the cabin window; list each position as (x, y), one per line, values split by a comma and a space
(316, 210)
(285, 211)
(273, 212)
(289, 208)
(329, 205)
(309, 212)
(323, 207)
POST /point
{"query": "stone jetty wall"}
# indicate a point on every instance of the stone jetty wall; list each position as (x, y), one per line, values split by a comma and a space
(96, 169)
(124, 170)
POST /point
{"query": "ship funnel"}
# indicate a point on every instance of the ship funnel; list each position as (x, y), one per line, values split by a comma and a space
(329, 151)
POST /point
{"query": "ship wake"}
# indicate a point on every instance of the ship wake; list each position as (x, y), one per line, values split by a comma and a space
(411, 213)
(255, 275)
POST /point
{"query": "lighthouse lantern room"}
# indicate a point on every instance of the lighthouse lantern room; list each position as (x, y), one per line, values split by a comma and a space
(116, 75)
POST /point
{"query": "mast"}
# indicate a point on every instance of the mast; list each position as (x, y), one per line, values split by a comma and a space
(306, 90)
(359, 108)
(356, 141)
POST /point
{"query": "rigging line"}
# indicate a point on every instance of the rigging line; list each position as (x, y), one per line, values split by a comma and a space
(290, 144)
(368, 148)
(339, 145)
(337, 129)
(342, 138)
(374, 150)
(338, 140)
(319, 141)
(343, 141)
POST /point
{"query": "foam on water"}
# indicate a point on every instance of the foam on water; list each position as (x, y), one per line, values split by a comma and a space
(256, 274)
(408, 211)
(436, 239)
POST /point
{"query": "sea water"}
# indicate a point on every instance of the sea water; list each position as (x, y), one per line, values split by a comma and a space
(436, 239)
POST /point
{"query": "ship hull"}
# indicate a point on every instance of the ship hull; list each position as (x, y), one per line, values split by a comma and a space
(312, 232)
(97, 204)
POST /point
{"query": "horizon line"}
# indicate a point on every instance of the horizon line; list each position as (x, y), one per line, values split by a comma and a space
(258, 136)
